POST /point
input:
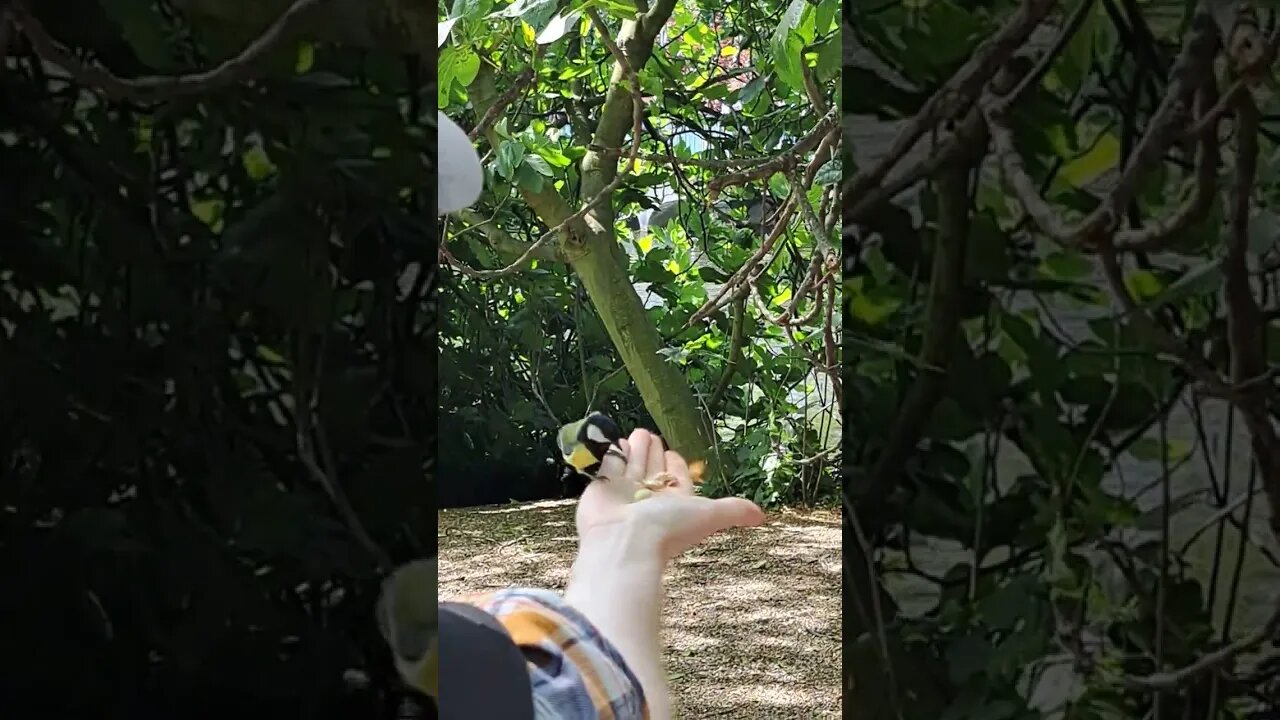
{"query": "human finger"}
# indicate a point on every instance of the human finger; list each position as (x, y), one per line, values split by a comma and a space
(692, 519)
(614, 465)
(638, 456)
(656, 462)
(679, 469)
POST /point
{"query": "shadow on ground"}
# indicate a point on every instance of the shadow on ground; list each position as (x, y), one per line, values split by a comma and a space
(753, 621)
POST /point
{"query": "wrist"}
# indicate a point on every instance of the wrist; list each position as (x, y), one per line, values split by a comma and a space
(616, 583)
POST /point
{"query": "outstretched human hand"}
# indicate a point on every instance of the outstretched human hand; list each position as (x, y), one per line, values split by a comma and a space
(673, 519)
(625, 544)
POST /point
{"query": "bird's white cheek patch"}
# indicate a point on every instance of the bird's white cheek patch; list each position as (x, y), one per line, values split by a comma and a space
(595, 434)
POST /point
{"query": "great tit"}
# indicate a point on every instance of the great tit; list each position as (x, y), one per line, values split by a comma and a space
(585, 444)
(408, 616)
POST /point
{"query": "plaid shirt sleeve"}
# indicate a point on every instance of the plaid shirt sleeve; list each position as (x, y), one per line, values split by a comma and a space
(575, 672)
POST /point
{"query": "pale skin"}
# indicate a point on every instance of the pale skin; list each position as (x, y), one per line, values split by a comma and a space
(625, 540)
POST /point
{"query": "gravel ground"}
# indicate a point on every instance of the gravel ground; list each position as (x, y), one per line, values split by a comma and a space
(753, 620)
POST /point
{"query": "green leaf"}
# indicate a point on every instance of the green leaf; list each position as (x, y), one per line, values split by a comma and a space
(527, 177)
(528, 10)
(968, 657)
(787, 62)
(306, 58)
(751, 90)
(1103, 156)
(538, 164)
(510, 157)
(257, 164)
(468, 8)
(446, 70)
(873, 309)
(1206, 278)
(466, 66)
(1067, 265)
(789, 22)
(829, 174)
(621, 9)
(829, 58)
(553, 157)
(1144, 284)
(825, 16)
(1149, 450)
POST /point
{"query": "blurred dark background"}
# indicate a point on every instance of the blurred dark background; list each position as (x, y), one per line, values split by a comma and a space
(217, 369)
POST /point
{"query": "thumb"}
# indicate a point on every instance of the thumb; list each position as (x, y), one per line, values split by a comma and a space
(711, 517)
(731, 512)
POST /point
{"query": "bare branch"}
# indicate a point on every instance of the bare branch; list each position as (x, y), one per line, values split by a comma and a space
(1098, 227)
(1204, 187)
(522, 81)
(156, 88)
(1246, 324)
(779, 163)
(958, 92)
(1175, 679)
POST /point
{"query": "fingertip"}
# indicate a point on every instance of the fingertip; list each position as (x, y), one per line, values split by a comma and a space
(747, 513)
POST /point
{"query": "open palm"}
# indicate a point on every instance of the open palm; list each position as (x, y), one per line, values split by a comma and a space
(673, 519)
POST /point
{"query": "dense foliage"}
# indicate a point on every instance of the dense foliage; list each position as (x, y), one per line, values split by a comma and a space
(680, 279)
(216, 366)
(1051, 305)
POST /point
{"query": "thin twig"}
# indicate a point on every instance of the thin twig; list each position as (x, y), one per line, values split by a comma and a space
(504, 100)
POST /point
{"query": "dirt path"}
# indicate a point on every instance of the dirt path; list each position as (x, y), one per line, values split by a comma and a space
(753, 621)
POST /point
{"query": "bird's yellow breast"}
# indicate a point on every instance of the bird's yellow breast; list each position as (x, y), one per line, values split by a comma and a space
(582, 458)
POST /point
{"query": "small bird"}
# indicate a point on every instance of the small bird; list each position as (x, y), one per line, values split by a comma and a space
(585, 444)
(408, 616)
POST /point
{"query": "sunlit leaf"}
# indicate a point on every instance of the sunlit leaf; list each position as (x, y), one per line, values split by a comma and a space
(556, 28)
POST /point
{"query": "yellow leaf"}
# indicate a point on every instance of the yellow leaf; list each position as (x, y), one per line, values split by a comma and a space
(526, 31)
(1103, 156)
(645, 244)
(781, 298)
(673, 266)
(728, 50)
(306, 58)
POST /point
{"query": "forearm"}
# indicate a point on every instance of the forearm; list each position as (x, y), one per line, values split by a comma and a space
(617, 585)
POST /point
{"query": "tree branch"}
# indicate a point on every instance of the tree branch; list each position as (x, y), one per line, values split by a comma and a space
(780, 162)
(1097, 229)
(941, 328)
(1246, 325)
(957, 93)
(156, 88)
